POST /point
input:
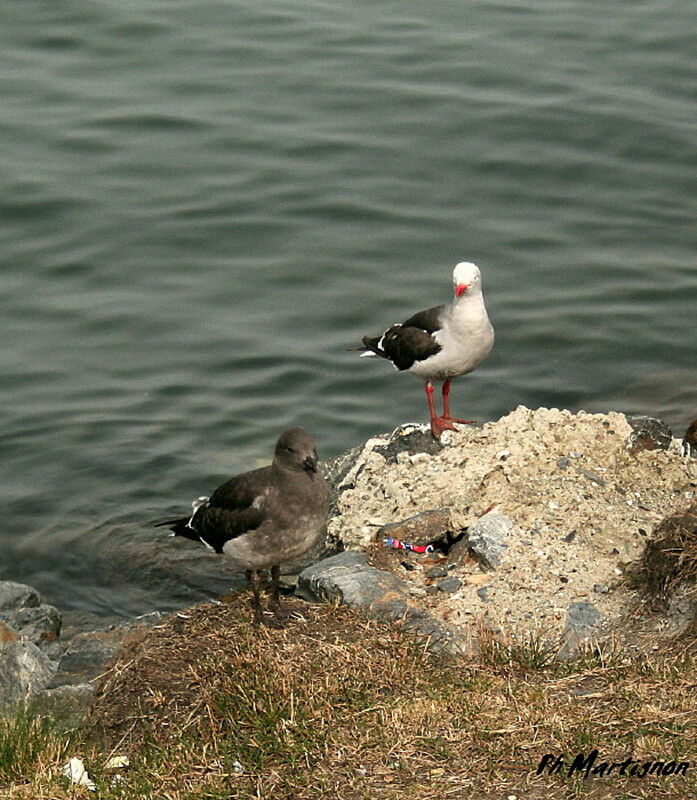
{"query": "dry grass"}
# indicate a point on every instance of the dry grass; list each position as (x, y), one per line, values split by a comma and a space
(670, 557)
(337, 706)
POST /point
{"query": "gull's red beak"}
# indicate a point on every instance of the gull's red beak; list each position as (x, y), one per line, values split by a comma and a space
(460, 289)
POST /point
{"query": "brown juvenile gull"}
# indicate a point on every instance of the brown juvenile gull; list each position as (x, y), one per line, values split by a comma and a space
(262, 518)
(440, 343)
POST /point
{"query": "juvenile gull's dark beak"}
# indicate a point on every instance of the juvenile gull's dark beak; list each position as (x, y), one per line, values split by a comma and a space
(310, 464)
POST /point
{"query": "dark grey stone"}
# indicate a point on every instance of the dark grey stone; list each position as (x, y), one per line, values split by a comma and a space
(601, 588)
(436, 572)
(487, 537)
(411, 441)
(583, 623)
(483, 592)
(14, 596)
(648, 434)
(448, 585)
(85, 657)
(349, 579)
(569, 537)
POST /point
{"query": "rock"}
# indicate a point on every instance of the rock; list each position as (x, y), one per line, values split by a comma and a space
(17, 595)
(66, 703)
(459, 552)
(349, 579)
(449, 585)
(436, 572)
(84, 658)
(648, 434)
(689, 440)
(7, 634)
(24, 669)
(337, 469)
(421, 529)
(22, 610)
(411, 440)
(87, 652)
(39, 624)
(583, 623)
(486, 538)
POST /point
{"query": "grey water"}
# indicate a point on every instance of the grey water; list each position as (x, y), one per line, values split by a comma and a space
(203, 205)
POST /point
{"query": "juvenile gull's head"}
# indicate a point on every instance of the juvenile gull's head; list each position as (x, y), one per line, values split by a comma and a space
(296, 451)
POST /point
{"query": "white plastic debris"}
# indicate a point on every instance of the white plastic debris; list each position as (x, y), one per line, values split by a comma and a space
(237, 768)
(117, 762)
(76, 773)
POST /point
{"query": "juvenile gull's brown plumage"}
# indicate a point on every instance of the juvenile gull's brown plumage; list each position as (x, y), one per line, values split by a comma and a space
(262, 518)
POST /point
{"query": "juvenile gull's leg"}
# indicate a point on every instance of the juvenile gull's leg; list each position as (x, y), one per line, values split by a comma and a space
(279, 613)
(254, 581)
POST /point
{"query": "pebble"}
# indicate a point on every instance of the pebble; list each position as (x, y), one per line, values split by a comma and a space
(436, 572)
(448, 585)
(592, 476)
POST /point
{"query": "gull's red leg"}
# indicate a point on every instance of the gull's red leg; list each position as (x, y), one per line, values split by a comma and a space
(446, 404)
(438, 424)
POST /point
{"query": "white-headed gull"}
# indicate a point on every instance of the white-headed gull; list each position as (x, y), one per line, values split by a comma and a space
(440, 343)
(262, 518)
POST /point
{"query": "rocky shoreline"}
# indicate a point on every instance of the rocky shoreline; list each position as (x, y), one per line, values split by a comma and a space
(533, 525)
